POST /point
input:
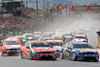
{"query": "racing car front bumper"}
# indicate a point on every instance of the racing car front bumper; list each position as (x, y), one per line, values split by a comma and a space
(38, 55)
(87, 57)
(11, 51)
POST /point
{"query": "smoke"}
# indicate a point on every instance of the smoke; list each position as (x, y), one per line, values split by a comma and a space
(86, 21)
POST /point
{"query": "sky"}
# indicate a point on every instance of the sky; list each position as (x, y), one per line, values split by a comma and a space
(31, 3)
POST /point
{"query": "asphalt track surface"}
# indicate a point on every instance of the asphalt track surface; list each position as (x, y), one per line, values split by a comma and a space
(91, 26)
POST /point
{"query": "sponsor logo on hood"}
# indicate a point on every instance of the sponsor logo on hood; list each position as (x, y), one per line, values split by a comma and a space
(13, 46)
(43, 49)
(86, 50)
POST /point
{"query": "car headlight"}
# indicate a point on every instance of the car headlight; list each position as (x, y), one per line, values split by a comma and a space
(80, 53)
(96, 53)
(35, 53)
(54, 52)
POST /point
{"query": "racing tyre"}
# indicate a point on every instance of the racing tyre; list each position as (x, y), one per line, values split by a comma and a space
(73, 57)
(22, 55)
(31, 56)
(2, 54)
(96, 60)
(59, 56)
(63, 56)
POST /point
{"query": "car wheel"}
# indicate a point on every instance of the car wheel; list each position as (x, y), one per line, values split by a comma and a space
(2, 54)
(73, 56)
(63, 56)
(96, 60)
(31, 56)
(22, 55)
(59, 56)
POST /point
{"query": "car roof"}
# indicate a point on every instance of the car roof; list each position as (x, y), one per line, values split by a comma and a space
(12, 39)
(54, 41)
(80, 35)
(36, 41)
(27, 34)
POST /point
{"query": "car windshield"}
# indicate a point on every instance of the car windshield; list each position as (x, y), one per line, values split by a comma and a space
(37, 34)
(57, 38)
(81, 46)
(80, 37)
(67, 34)
(12, 43)
(55, 44)
(40, 45)
(28, 35)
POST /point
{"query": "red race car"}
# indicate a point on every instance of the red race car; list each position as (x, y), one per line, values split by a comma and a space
(11, 46)
(38, 50)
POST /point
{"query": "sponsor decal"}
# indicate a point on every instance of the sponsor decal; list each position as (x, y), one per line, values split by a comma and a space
(88, 50)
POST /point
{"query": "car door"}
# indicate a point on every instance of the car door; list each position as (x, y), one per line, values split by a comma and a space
(25, 48)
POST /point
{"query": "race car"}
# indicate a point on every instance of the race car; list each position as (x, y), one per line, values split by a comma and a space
(11, 46)
(80, 51)
(37, 35)
(80, 38)
(23, 37)
(57, 45)
(29, 36)
(48, 33)
(67, 37)
(57, 37)
(38, 50)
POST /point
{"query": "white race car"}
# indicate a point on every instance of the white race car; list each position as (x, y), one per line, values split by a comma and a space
(80, 38)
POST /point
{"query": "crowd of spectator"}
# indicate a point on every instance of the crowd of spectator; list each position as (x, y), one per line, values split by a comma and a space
(17, 23)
